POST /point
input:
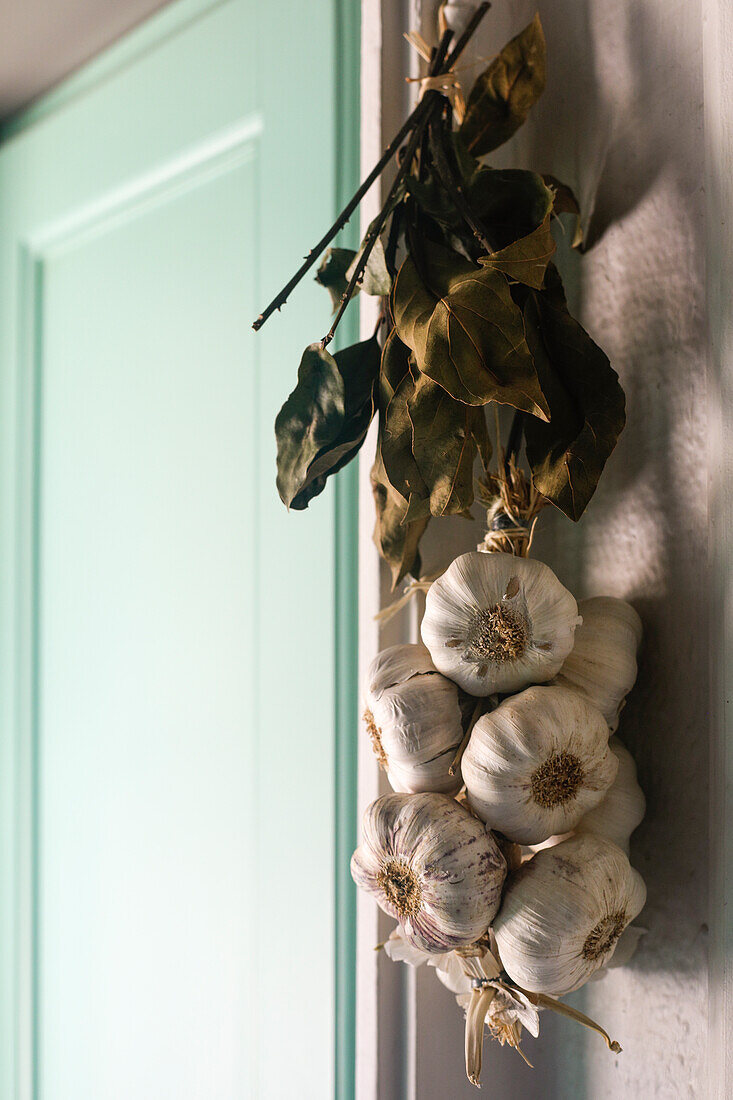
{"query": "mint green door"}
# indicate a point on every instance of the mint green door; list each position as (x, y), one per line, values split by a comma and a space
(176, 784)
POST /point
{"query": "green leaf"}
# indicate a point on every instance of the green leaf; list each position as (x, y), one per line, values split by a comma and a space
(323, 423)
(525, 260)
(332, 272)
(428, 441)
(396, 540)
(375, 277)
(504, 94)
(465, 331)
(565, 202)
(587, 404)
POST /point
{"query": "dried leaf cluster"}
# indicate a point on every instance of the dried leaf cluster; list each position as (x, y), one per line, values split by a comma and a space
(474, 312)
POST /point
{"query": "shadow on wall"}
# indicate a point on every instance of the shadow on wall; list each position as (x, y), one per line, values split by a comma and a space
(621, 122)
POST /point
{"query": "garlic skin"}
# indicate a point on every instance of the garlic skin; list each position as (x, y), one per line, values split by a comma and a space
(622, 808)
(395, 665)
(508, 1013)
(414, 720)
(563, 913)
(432, 866)
(496, 623)
(538, 763)
(602, 663)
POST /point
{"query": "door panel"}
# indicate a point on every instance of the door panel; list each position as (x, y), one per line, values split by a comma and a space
(175, 918)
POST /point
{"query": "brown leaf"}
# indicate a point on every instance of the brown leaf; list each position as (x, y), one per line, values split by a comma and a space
(428, 441)
(396, 387)
(332, 270)
(446, 435)
(396, 540)
(504, 94)
(525, 260)
(465, 331)
(587, 403)
(565, 202)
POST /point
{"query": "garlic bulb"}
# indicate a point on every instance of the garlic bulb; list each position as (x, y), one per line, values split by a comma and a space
(414, 720)
(563, 913)
(495, 622)
(602, 663)
(622, 808)
(431, 866)
(538, 763)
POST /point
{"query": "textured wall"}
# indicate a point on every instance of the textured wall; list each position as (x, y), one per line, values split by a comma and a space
(621, 121)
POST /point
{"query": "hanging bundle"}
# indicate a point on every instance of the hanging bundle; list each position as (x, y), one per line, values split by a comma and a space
(502, 854)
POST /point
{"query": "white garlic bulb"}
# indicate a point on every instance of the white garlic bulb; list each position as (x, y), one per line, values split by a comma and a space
(602, 663)
(538, 763)
(432, 866)
(495, 622)
(414, 720)
(623, 806)
(563, 913)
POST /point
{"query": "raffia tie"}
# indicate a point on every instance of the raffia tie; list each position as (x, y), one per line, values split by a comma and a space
(507, 532)
(411, 590)
(513, 507)
(447, 84)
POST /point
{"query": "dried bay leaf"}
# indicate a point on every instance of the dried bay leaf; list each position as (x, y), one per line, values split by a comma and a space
(396, 540)
(504, 94)
(465, 331)
(428, 441)
(565, 202)
(396, 386)
(324, 421)
(509, 204)
(446, 436)
(332, 271)
(375, 278)
(587, 403)
(525, 260)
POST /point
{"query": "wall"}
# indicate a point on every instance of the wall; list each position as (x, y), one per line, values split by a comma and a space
(622, 121)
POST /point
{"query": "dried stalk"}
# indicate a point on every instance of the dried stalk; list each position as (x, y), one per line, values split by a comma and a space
(416, 119)
(452, 183)
(376, 227)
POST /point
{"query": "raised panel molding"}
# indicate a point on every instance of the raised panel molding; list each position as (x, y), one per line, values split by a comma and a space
(193, 168)
(190, 169)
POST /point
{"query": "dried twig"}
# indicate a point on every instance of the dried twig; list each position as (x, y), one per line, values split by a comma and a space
(416, 119)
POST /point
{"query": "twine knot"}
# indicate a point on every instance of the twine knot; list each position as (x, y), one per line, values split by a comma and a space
(513, 505)
(446, 83)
